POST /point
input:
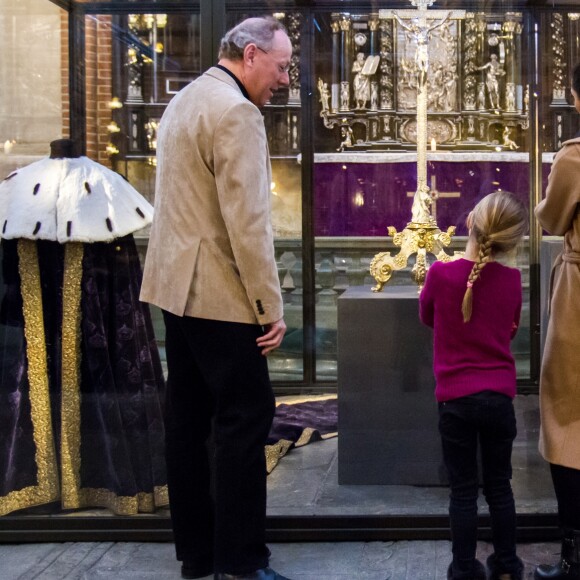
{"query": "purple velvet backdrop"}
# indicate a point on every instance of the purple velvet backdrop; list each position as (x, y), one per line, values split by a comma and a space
(382, 188)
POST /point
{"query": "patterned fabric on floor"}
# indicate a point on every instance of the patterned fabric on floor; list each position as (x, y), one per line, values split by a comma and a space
(299, 421)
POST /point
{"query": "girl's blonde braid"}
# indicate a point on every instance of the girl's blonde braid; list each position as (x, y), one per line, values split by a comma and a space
(483, 257)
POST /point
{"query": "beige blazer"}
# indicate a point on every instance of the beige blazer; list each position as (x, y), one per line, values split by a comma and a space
(558, 214)
(211, 249)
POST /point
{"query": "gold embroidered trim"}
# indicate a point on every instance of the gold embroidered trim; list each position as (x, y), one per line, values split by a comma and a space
(275, 452)
(309, 434)
(305, 436)
(46, 489)
(161, 495)
(329, 435)
(71, 360)
(295, 399)
(123, 505)
(73, 495)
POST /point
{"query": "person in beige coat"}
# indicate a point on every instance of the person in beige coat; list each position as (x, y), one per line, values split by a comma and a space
(559, 214)
(210, 267)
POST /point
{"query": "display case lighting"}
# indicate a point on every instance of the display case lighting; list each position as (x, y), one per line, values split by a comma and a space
(112, 127)
(115, 103)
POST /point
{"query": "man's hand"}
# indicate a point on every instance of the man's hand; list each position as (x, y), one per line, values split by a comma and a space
(272, 337)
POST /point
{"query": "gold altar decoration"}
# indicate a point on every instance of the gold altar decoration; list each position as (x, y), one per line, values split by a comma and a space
(389, 67)
(475, 79)
(422, 235)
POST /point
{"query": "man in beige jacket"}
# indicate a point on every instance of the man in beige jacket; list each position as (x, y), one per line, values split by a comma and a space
(210, 267)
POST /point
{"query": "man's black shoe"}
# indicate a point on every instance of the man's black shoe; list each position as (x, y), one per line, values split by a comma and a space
(261, 574)
(476, 573)
(191, 571)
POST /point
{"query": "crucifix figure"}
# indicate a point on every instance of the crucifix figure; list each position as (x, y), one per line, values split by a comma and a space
(435, 194)
(421, 32)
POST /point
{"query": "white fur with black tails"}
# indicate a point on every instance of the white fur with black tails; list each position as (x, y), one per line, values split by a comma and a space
(70, 200)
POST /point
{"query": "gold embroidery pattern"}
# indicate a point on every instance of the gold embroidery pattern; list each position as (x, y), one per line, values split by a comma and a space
(309, 434)
(46, 489)
(123, 505)
(73, 495)
(71, 360)
(305, 437)
(275, 452)
(161, 495)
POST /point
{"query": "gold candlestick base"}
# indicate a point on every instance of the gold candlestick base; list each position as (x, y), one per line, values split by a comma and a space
(416, 238)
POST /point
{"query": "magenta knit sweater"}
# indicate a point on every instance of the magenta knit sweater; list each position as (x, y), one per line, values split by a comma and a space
(475, 356)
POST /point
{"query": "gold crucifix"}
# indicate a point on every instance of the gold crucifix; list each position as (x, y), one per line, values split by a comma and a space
(422, 235)
(436, 194)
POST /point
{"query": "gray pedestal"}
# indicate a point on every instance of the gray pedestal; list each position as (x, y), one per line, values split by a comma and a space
(388, 417)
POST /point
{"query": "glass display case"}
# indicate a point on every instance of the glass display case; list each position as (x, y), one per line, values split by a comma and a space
(34, 97)
(344, 137)
(477, 129)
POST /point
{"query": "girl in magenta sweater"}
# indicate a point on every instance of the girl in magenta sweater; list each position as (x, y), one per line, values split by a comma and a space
(473, 305)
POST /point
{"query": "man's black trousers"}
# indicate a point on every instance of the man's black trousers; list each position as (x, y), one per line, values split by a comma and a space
(218, 391)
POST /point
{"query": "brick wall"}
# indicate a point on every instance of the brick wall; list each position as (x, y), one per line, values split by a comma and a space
(99, 86)
(98, 40)
(64, 76)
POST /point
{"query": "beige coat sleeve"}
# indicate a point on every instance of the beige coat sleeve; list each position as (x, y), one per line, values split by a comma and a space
(557, 210)
(243, 176)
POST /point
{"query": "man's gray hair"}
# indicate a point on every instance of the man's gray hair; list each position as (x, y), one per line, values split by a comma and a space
(259, 31)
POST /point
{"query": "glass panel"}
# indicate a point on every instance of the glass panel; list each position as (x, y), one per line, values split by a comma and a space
(368, 74)
(282, 117)
(34, 110)
(559, 45)
(79, 353)
(153, 56)
(365, 176)
(34, 97)
(286, 364)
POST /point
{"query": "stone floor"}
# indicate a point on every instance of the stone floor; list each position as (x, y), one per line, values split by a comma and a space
(306, 483)
(418, 560)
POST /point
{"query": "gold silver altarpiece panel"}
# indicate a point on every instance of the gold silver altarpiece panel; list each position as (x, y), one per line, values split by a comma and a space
(477, 96)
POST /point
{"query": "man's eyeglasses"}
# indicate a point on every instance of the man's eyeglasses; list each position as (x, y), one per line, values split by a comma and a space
(281, 69)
